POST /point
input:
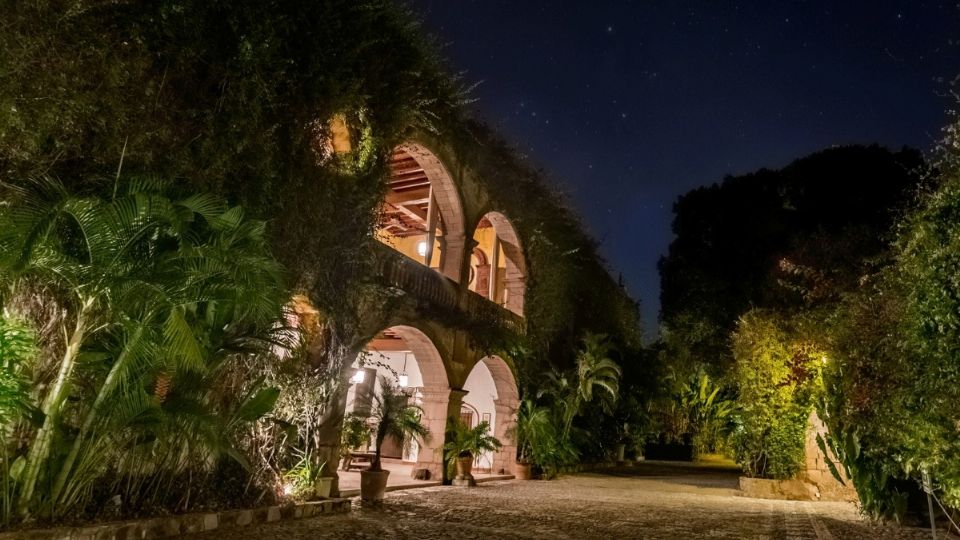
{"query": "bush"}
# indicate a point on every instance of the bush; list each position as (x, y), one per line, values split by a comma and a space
(778, 379)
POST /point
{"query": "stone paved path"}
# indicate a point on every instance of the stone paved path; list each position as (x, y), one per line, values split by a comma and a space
(643, 502)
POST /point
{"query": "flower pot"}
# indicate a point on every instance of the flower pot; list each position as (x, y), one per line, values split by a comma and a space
(464, 472)
(322, 486)
(522, 471)
(372, 485)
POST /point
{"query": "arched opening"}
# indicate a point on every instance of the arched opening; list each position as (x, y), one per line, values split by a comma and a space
(406, 358)
(502, 278)
(421, 215)
(492, 397)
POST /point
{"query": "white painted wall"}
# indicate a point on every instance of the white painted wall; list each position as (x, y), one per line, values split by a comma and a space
(481, 391)
(384, 362)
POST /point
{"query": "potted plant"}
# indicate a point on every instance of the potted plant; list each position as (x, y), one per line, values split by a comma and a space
(302, 479)
(463, 444)
(533, 423)
(394, 417)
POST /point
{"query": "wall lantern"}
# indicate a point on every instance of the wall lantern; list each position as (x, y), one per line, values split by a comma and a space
(422, 249)
(358, 376)
(402, 379)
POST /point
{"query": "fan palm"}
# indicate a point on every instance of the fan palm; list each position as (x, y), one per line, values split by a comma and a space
(464, 441)
(160, 284)
(395, 418)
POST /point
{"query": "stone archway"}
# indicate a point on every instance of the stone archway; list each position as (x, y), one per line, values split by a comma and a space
(506, 405)
(422, 214)
(510, 288)
(432, 393)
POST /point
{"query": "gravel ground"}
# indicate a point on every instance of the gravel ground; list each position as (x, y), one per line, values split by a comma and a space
(649, 501)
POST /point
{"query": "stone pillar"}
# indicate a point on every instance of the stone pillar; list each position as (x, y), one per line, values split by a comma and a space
(436, 405)
(817, 472)
(329, 433)
(452, 262)
(506, 418)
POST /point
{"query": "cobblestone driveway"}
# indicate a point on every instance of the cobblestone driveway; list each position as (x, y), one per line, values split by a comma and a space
(647, 502)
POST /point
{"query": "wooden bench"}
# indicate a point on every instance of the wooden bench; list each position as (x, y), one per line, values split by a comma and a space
(359, 460)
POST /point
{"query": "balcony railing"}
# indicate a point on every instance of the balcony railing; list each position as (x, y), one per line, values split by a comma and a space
(429, 286)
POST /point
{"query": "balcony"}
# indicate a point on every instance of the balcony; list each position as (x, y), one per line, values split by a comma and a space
(437, 291)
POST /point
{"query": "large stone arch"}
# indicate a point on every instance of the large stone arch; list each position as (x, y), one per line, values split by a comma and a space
(445, 196)
(434, 396)
(514, 281)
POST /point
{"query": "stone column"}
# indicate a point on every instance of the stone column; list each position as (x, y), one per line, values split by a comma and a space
(452, 262)
(506, 418)
(436, 405)
(329, 433)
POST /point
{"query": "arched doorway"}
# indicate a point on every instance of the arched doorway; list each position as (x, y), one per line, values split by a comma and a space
(492, 395)
(422, 215)
(405, 357)
(502, 277)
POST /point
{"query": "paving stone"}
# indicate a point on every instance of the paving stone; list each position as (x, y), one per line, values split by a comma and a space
(636, 502)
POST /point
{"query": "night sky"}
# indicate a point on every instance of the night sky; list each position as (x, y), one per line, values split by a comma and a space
(629, 104)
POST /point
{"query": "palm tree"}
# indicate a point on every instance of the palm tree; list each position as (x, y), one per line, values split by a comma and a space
(160, 285)
(395, 418)
(597, 377)
(531, 429)
(464, 441)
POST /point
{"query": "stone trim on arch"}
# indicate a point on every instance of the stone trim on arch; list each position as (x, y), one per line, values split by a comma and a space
(448, 200)
(515, 280)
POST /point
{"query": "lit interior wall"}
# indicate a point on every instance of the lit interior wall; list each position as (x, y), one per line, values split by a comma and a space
(390, 360)
(481, 391)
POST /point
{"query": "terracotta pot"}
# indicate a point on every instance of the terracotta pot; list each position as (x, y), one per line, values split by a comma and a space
(372, 485)
(522, 471)
(465, 467)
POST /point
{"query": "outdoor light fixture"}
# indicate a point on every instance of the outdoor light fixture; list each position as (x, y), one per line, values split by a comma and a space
(422, 249)
(358, 376)
(402, 379)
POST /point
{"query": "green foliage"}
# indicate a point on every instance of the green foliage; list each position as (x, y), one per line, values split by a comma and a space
(894, 385)
(355, 434)
(464, 441)
(395, 418)
(730, 235)
(304, 475)
(778, 381)
(160, 291)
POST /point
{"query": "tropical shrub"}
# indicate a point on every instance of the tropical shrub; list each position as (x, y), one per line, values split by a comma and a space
(162, 295)
(778, 382)
(465, 441)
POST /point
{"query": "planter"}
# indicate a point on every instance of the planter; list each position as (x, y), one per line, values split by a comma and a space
(372, 485)
(464, 472)
(621, 450)
(322, 486)
(522, 471)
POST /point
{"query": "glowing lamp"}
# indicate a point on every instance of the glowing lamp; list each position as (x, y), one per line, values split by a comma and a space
(403, 380)
(357, 377)
(422, 249)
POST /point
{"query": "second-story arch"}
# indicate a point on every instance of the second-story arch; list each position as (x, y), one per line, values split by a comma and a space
(502, 275)
(422, 212)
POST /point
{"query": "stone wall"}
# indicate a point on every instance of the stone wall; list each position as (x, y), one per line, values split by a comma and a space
(171, 526)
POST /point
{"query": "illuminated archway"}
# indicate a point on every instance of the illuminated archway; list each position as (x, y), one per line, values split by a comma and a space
(492, 392)
(503, 278)
(408, 358)
(422, 215)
